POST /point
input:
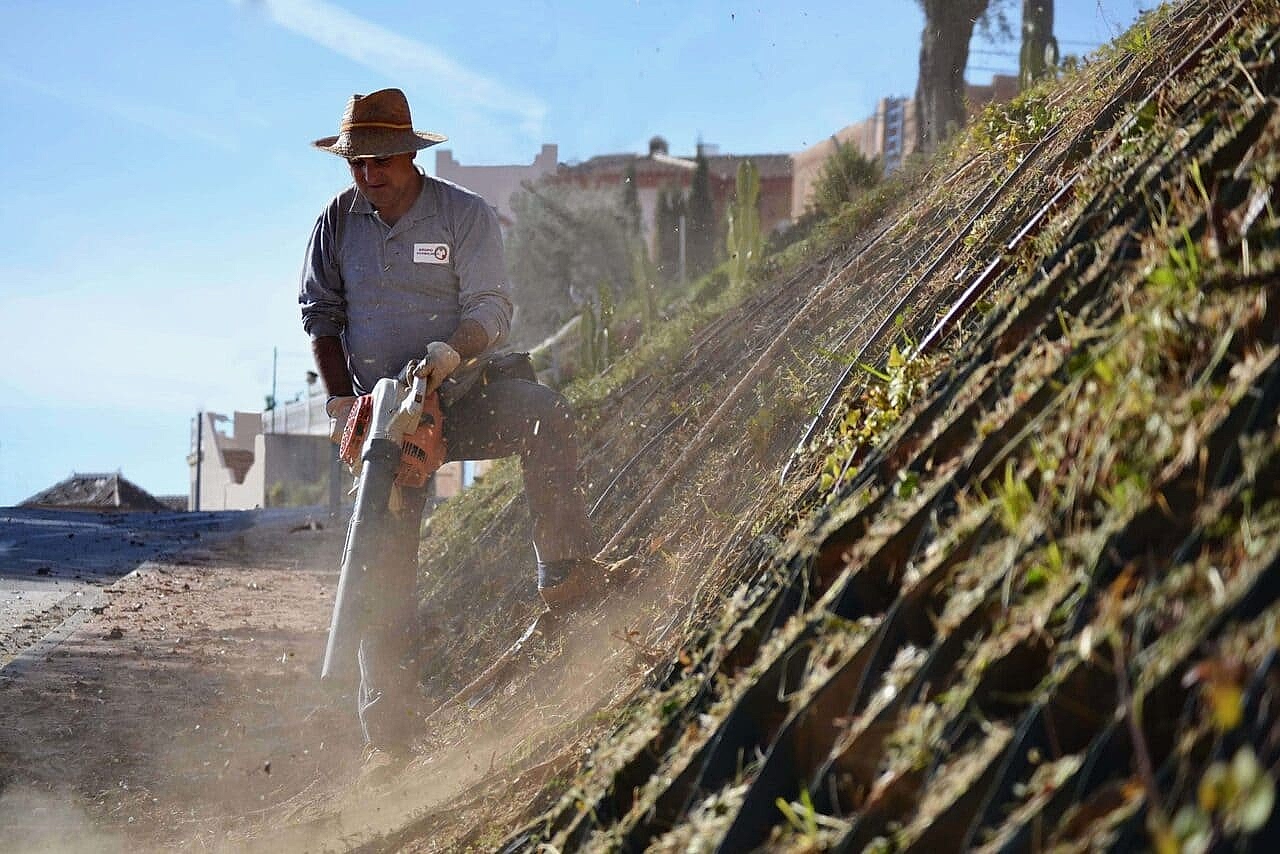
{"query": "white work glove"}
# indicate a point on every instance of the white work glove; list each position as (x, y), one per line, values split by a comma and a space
(338, 408)
(440, 361)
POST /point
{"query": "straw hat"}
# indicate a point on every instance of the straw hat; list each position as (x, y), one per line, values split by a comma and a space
(377, 125)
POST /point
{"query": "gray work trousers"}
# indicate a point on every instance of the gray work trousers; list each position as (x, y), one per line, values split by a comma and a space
(496, 418)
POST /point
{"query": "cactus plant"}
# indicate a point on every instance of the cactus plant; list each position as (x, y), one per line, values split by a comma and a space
(745, 242)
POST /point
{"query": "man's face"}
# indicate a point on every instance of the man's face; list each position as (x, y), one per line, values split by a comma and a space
(389, 183)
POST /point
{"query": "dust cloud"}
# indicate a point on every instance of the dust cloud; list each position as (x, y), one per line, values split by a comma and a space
(51, 823)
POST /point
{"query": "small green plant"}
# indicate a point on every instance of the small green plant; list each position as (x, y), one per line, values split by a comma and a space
(1014, 127)
(1138, 40)
(1235, 799)
(1182, 269)
(1014, 499)
(875, 409)
(801, 815)
(1046, 569)
(646, 282)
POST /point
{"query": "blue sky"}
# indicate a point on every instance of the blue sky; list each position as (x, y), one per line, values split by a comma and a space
(159, 184)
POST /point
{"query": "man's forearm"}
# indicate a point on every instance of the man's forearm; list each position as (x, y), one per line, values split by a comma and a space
(469, 340)
(331, 362)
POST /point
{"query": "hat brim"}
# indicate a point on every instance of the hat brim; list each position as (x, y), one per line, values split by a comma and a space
(378, 143)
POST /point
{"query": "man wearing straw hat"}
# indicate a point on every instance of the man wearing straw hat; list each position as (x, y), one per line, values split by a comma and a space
(404, 276)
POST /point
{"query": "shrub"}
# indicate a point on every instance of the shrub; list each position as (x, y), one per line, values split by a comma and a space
(844, 177)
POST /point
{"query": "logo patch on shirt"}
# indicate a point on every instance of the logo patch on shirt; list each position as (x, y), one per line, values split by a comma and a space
(431, 253)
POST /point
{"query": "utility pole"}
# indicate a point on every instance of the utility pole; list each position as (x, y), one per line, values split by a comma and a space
(275, 357)
(196, 458)
(683, 250)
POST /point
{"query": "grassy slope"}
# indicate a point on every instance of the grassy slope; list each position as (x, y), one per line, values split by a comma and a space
(1053, 497)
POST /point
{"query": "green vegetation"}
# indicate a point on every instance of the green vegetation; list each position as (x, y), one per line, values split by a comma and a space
(844, 178)
(874, 408)
(296, 494)
(566, 242)
(671, 205)
(704, 228)
(1014, 127)
(594, 351)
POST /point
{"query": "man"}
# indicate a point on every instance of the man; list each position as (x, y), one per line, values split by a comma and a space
(404, 276)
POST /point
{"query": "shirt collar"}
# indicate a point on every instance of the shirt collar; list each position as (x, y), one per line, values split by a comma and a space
(423, 206)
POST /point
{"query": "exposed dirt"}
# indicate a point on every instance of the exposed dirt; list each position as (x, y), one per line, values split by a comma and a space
(187, 714)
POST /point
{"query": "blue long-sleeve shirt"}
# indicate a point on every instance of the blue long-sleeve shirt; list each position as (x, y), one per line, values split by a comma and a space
(390, 291)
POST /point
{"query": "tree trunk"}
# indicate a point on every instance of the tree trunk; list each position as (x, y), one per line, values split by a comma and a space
(944, 53)
(1039, 47)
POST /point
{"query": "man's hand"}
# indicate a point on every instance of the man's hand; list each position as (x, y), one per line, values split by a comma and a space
(440, 361)
(338, 408)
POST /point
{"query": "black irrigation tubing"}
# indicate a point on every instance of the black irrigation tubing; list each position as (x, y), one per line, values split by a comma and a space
(952, 738)
(975, 199)
(884, 295)
(984, 279)
(872, 670)
(796, 752)
(1017, 765)
(973, 362)
(1222, 450)
(666, 428)
(836, 389)
(873, 340)
(851, 602)
(840, 383)
(991, 447)
(705, 336)
(949, 385)
(1261, 596)
(943, 391)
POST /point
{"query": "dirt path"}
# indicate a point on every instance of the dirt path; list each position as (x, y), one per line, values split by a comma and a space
(186, 714)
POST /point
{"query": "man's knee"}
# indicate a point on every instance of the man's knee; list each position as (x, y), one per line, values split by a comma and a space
(546, 409)
(556, 425)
